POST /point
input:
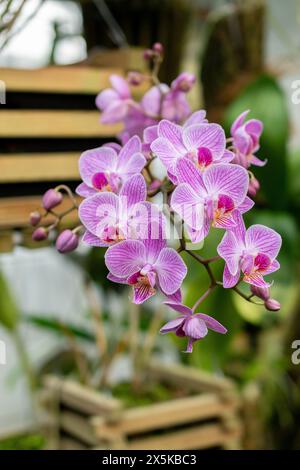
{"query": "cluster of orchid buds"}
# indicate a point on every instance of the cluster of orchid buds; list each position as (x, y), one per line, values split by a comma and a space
(67, 240)
(172, 173)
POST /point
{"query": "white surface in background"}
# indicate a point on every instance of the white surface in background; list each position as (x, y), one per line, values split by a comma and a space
(282, 49)
(31, 48)
(43, 283)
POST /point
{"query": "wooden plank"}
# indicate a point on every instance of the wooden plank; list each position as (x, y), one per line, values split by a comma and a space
(61, 123)
(167, 414)
(29, 167)
(14, 211)
(77, 426)
(63, 79)
(6, 241)
(83, 399)
(127, 59)
(190, 378)
(196, 437)
(252, 417)
(75, 79)
(67, 443)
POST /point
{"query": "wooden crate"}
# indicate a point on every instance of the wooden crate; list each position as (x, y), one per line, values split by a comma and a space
(49, 118)
(80, 418)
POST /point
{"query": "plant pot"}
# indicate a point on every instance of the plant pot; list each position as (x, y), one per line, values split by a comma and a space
(207, 416)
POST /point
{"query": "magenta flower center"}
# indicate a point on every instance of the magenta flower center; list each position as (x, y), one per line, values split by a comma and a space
(113, 234)
(224, 207)
(261, 262)
(134, 279)
(254, 264)
(225, 203)
(137, 279)
(99, 181)
(204, 156)
(146, 277)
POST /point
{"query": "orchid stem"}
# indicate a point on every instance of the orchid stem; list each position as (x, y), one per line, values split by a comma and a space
(203, 296)
(205, 263)
(245, 296)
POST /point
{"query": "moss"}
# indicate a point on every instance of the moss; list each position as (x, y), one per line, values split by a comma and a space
(145, 394)
(27, 442)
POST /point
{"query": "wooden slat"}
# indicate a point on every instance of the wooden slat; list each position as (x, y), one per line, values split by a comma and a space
(67, 443)
(83, 399)
(29, 167)
(6, 241)
(54, 124)
(14, 211)
(78, 427)
(197, 437)
(58, 79)
(190, 378)
(163, 415)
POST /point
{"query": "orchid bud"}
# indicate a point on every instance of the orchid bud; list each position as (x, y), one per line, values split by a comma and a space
(67, 241)
(135, 78)
(261, 292)
(253, 186)
(184, 82)
(40, 234)
(158, 48)
(273, 305)
(34, 218)
(51, 199)
(148, 54)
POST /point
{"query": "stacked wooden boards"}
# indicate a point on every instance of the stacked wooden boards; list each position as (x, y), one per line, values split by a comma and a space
(206, 416)
(49, 118)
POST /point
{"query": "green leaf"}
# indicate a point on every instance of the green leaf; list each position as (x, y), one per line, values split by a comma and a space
(266, 101)
(59, 327)
(9, 312)
(294, 177)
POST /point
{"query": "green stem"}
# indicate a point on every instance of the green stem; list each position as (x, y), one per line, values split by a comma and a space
(203, 296)
(24, 359)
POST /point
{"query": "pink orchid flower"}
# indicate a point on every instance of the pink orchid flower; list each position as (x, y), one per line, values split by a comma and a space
(211, 198)
(109, 218)
(162, 101)
(175, 106)
(151, 132)
(115, 102)
(146, 265)
(245, 139)
(252, 251)
(204, 144)
(103, 169)
(192, 325)
(135, 122)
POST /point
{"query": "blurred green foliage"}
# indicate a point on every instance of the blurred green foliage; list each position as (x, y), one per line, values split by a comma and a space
(9, 312)
(29, 442)
(266, 101)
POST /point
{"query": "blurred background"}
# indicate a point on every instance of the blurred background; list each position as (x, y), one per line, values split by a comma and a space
(245, 56)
